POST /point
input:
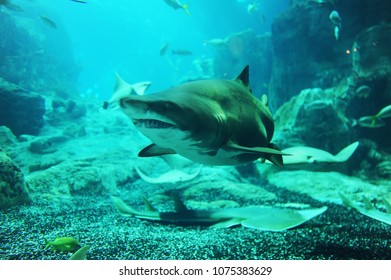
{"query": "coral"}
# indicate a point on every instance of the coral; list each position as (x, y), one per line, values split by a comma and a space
(305, 52)
(313, 118)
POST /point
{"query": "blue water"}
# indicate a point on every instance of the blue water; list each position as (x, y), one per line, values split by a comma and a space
(126, 36)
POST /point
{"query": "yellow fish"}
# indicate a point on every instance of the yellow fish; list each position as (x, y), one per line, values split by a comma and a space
(176, 5)
(64, 244)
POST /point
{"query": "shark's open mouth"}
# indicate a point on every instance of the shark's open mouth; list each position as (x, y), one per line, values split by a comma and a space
(151, 123)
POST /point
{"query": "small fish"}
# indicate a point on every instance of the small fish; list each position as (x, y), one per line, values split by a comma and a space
(80, 254)
(318, 105)
(256, 217)
(336, 32)
(376, 120)
(64, 244)
(370, 121)
(384, 113)
(335, 18)
(176, 5)
(363, 91)
(215, 42)
(252, 8)
(48, 22)
(163, 49)
(80, 1)
(181, 52)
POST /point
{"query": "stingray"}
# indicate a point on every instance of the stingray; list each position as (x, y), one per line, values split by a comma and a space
(303, 154)
(257, 217)
(173, 176)
(309, 158)
(369, 210)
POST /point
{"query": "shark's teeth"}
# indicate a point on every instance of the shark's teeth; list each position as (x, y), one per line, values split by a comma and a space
(151, 123)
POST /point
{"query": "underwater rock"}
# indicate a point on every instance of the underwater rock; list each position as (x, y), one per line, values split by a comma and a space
(13, 190)
(312, 118)
(44, 163)
(326, 186)
(42, 146)
(29, 55)
(245, 48)
(371, 55)
(7, 139)
(305, 52)
(223, 186)
(74, 130)
(75, 110)
(303, 38)
(88, 176)
(61, 112)
(209, 195)
(20, 110)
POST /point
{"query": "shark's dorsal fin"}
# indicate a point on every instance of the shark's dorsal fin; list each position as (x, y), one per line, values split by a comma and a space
(387, 204)
(148, 205)
(244, 77)
(367, 203)
(178, 204)
(154, 150)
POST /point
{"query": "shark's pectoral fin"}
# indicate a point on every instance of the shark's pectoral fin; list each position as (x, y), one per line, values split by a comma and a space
(271, 153)
(154, 150)
(228, 223)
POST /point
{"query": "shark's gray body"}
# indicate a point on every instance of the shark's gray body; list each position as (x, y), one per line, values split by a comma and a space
(213, 122)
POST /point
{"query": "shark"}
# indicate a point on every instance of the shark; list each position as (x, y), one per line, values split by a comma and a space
(369, 210)
(211, 122)
(256, 217)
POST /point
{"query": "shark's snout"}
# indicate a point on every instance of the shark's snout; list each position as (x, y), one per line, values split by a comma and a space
(143, 114)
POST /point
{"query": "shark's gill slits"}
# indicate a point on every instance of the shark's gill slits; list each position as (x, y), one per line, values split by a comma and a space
(150, 123)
